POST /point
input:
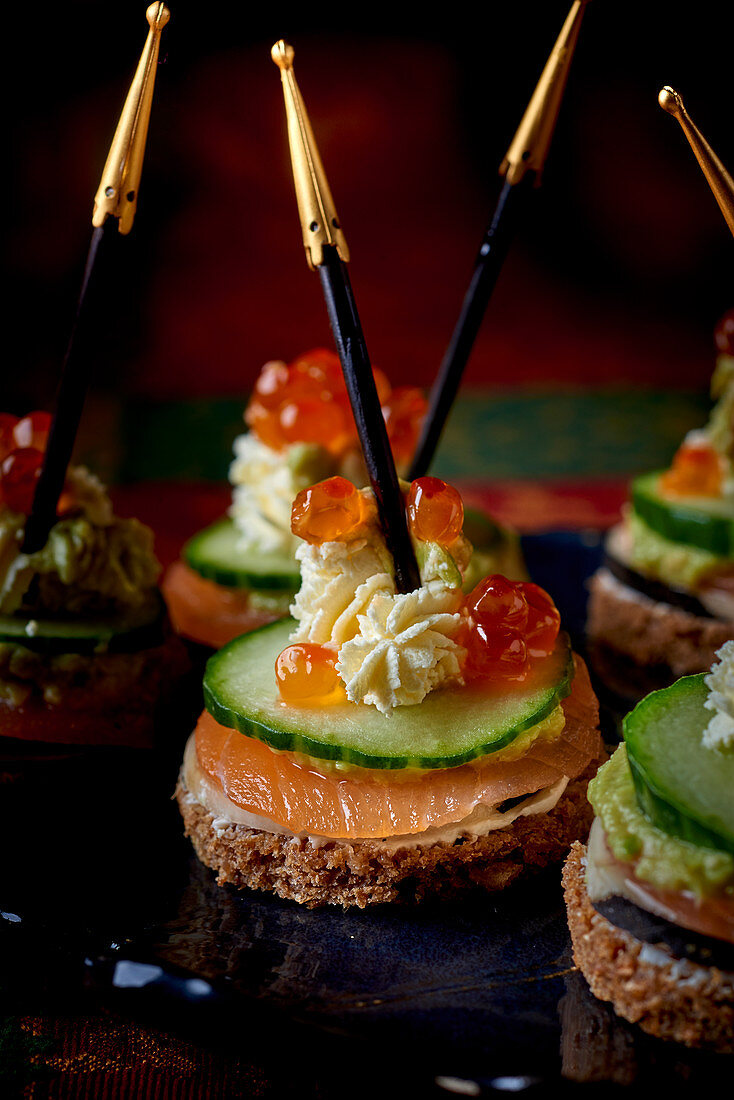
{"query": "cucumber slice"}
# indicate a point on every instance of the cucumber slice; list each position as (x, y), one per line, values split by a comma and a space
(447, 729)
(705, 523)
(214, 554)
(683, 788)
(117, 633)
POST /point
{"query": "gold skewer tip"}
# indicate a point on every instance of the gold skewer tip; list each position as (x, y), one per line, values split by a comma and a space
(117, 194)
(670, 101)
(320, 223)
(282, 54)
(717, 177)
(529, 147)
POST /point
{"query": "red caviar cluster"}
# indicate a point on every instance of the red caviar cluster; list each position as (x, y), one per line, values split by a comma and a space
(22, 443)
(696, 471)
(306, 401)
(509, 625)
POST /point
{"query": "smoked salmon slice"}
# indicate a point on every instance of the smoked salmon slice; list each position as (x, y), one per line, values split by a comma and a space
(363, 803)
(207, 612)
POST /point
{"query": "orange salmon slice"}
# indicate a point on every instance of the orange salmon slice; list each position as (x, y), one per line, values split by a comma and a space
(207, 612)
(362, 803)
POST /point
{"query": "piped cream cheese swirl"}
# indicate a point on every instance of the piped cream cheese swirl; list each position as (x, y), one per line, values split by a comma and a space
(393, 649)
(406, 647)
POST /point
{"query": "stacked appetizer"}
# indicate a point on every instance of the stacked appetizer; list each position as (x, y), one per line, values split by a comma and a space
(86, 652)
(241, 572)
(665, 595)
(651, 902)
(387, 746)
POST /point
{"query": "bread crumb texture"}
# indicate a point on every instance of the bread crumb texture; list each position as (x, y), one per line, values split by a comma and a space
(361, 873)
(653, 634)
(699, 1014)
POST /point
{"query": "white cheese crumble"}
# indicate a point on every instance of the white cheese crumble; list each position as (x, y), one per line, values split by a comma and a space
(719, 733)
(264, 491)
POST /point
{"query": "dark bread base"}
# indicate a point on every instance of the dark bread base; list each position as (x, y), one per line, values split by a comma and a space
(361, 873)
(656, 636)
(642, 992)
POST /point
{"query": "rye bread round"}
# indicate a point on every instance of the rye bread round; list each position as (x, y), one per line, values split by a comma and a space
(661, 999)
(649, 633)
(366, 872)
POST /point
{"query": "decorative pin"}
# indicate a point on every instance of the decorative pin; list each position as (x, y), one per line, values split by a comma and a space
(719, 180)
(316, 208)
(117, 194)
(522, 169)
(114, 211)
(529, 147)
(327, 253)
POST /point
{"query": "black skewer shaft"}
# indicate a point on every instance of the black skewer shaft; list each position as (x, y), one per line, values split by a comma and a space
(360, 382)
(70, 397)
(492, 252)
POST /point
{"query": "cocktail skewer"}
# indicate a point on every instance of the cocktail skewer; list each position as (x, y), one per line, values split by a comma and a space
(719, 180)
(114, 211)
(522, 169)
(327, 252)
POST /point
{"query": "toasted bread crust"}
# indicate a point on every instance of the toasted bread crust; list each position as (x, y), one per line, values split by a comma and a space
(651, 633)
(361, 873)
(653, 996)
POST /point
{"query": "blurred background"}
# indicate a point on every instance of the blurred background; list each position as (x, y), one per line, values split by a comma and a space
(597, 349)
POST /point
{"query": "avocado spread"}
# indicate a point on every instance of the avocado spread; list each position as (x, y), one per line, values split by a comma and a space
(84, 567)
(662, 860)
(674, 563)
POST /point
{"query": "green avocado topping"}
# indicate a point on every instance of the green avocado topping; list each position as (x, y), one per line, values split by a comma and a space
(662, 860)
(83, 568)
(677, 564)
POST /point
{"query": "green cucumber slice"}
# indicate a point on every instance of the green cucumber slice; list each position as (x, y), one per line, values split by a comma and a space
(704, 523)
(121, 633)
(213, 553)
(447, 729)
(683, 788)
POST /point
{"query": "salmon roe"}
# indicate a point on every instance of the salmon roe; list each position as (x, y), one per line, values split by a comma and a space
(307, 673)
(696, 471)
(22, 443)
(724, 334)
(306, 401)
(327, 511)
(435, 511)
(32, 430)
(7, 434)
(19, 472)
(403, 412)
(510, 625)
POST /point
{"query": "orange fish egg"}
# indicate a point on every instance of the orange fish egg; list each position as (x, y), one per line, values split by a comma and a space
(31, 431)
(696, 471)
(326, 512)
(19, 473)
(435, 511)
(306, 673)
